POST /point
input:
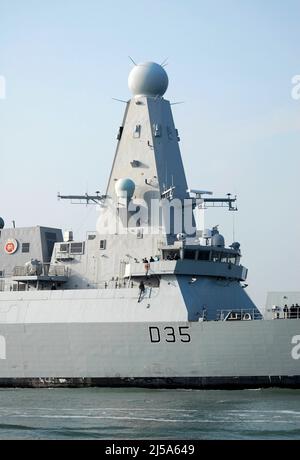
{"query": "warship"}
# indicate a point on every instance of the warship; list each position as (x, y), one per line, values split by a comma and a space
(151, 298)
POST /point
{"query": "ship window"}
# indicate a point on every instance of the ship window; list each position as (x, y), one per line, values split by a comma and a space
(103, 244)
(135, 163)
(64, 248)
(157, 130)
(216, 257)
(203, 255)
(189, 255)
(1, 274)
(137, 131)
(232, 259)
(51, 236)
(51, 239)
(25, 247)
(120, 132)
(76, 248)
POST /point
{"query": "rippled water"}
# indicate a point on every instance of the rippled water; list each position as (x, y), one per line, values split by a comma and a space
(149, 414)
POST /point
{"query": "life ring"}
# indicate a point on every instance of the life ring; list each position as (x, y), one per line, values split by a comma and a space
(11, 246)
(247, 317)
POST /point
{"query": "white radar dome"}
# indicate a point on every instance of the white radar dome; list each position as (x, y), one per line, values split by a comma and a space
(148, 79)
(125, 188)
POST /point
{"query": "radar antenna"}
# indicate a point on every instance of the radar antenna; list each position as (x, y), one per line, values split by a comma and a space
(168, 193)
(214, 202)
(84, 199)
(132, 60)
(119, 100)
(165, 62)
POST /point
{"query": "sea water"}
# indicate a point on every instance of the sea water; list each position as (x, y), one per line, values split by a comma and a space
(105, 413)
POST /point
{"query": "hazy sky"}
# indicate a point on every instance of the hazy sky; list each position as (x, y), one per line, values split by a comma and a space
(231, 62)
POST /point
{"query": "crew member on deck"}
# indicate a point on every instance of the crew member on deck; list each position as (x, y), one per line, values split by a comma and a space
(142, 290)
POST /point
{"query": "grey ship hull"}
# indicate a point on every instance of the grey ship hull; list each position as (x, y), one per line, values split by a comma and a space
(88, 344)
(84, 332)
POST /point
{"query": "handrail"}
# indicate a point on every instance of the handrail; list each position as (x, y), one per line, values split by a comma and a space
(236, 314)
(45, 269)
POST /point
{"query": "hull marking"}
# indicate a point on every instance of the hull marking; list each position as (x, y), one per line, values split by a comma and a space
(169, 334)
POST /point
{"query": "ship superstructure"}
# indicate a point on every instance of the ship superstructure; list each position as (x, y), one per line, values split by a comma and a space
(149, 298)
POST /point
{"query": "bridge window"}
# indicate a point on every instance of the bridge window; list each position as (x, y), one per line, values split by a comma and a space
(191, 255)
(203, 255)
(216, 257)
(232, 260)
(51, 240)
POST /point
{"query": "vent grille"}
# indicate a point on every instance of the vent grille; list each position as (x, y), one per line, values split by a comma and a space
(76, 248)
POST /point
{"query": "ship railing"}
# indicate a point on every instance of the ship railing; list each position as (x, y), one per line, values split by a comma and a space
(293, 314)
(124, 284)
(290, 313)
(115, 284)
(46, 269)
(57, 270)
(235, 314)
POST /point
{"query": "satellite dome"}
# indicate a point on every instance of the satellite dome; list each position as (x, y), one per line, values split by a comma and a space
(148, 79)
(2, 223)
(218, 240)
(125, 188)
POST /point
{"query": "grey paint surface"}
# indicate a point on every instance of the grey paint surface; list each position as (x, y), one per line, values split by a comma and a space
(118, 350)
(97, 326)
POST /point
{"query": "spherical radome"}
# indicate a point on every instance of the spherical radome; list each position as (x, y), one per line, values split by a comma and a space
(125, 188)
(148, 79)
(2, 223)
